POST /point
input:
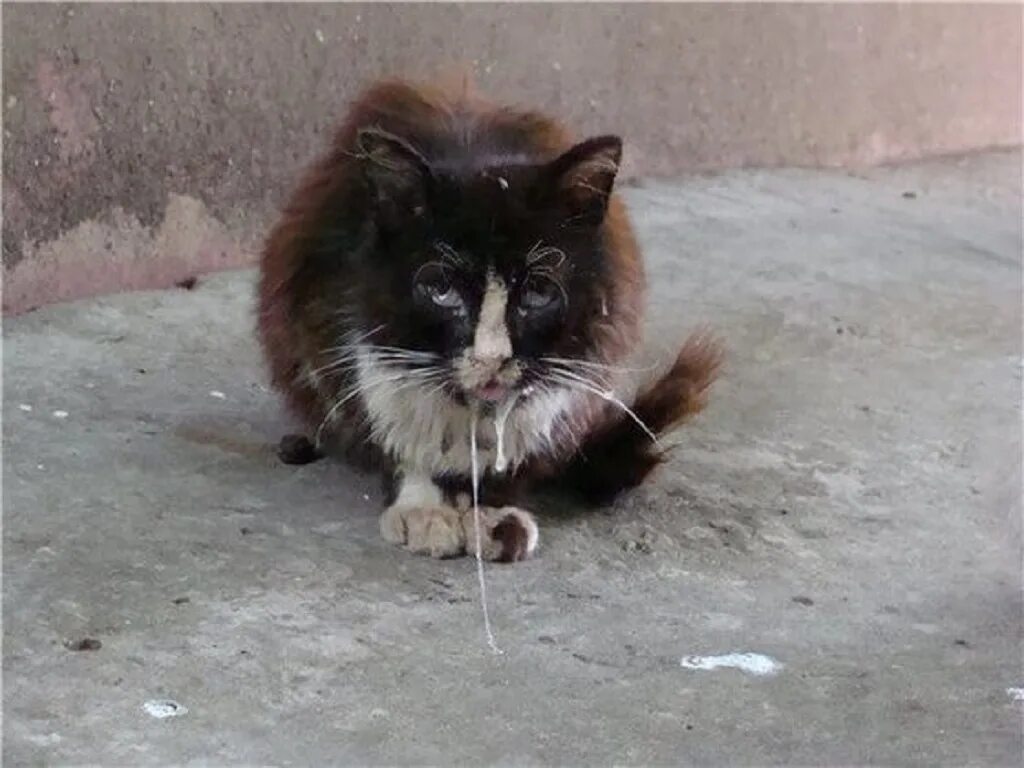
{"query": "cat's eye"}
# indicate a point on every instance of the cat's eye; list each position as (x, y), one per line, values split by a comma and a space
(432, 286)
(444, 296)
(538, 295)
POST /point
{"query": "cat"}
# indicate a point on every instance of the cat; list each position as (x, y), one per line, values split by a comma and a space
(453, 269)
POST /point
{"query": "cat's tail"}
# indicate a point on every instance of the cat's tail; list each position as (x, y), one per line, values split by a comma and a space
(620, 453)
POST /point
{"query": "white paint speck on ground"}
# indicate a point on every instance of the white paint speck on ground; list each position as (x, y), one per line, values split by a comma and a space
(164, 708)
(25, 407)
(1017, 694)
(218, 394)
(45, 740)
(60, 414)
(751, 663)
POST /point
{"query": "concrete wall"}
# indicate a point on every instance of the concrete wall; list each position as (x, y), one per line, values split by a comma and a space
(146, 143)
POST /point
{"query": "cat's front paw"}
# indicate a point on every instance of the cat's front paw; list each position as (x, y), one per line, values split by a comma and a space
(436, 531)
(507, 534)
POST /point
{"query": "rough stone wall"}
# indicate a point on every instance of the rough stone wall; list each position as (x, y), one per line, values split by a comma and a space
(145, 143)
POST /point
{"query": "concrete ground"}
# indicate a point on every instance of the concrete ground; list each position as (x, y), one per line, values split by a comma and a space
(848, 506)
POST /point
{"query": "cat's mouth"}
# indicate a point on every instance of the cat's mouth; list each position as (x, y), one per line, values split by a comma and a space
(494, 392)
(491, 391)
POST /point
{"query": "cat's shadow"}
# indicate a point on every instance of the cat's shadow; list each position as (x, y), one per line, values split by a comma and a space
(560, 506)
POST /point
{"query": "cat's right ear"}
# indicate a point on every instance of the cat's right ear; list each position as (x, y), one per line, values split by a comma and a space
(582, 178)
(396, 174)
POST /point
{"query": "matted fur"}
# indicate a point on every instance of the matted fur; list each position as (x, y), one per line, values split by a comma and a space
(326, 285)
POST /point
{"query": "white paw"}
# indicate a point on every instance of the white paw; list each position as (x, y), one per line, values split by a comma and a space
(507, 534)
(436, 530)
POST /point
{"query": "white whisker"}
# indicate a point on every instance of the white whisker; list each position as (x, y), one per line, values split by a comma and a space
(367, 334)
(567, 361)
(608, 396)
(537, 254)
(421, 376)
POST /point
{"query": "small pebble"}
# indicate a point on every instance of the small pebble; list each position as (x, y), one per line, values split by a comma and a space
(218, 394)
(85, 644)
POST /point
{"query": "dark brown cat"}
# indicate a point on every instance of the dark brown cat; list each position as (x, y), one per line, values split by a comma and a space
(452, 264)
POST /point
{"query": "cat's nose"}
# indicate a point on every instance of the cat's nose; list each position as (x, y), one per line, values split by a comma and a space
(492, 348)
(492, 355)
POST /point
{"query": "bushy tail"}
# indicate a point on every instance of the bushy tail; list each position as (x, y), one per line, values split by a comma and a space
(620, 454)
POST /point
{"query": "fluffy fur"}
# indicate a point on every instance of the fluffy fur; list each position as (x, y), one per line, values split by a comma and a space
(449, 260)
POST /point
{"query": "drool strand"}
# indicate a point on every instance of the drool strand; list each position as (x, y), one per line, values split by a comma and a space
(500, 417)
(475, 468)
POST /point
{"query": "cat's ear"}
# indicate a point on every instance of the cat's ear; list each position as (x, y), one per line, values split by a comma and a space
(396, 174)
(584, 175)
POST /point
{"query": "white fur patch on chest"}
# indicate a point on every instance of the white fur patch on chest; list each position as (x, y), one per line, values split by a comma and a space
(422, 427)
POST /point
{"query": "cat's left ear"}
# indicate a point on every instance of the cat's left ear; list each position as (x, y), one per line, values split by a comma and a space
(397, 175)
(584, 175)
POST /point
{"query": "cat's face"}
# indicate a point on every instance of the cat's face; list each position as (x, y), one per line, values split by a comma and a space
(484, 276)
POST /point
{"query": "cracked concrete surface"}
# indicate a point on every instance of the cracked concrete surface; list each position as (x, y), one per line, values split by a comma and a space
(848, 506)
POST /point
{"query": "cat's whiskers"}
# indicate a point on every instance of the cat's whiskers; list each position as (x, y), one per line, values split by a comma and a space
(351, 360)
(572, 363)
(356, 347)
(361, 390)
(594, 377)
(354, 351)
(434, 390)
(572, 380)
(365, 335)
(537, 254)
(408, 378)
(449, 254)
(547, 271)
